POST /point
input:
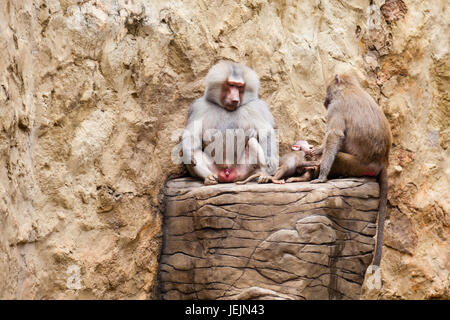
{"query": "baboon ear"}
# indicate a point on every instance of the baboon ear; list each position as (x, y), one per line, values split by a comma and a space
(337, 79)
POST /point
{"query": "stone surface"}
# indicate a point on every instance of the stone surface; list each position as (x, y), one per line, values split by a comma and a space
(292, 241)
(91, 93)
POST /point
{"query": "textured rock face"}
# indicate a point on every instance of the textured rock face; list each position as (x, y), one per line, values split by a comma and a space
(292, 241)
(92, 91)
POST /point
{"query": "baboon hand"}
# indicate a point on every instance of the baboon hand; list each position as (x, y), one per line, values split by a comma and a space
(319, 180)
(264, 178)
(316, 151)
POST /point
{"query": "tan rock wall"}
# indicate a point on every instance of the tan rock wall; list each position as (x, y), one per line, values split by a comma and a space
(92, 91)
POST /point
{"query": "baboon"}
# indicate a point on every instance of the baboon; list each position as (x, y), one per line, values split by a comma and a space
(357, 141)
(299, 161)
(230, 104)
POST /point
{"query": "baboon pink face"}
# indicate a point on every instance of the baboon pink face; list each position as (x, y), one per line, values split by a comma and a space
(302, 145)
(231, 95)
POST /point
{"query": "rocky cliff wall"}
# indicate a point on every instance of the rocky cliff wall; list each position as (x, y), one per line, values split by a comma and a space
(92, 91)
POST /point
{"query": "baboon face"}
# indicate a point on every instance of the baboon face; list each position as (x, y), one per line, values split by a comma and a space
(231, 94)
(302, 145)
(231, 85)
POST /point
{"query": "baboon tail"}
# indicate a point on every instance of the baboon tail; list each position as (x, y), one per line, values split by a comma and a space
(252, 177)
(383, 181)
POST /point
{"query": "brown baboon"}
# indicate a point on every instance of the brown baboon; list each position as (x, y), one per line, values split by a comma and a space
(299, 161)
(357, 141)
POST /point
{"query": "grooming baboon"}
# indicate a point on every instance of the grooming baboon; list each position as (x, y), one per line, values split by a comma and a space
(357, 141)
(230, 104)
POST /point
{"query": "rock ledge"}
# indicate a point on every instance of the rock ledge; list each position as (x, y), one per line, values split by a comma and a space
(292, 241)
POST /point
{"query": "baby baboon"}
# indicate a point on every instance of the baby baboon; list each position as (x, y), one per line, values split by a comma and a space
(299, 161)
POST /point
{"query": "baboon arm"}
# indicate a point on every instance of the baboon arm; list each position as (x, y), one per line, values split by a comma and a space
(253, 159)
(308, 164)
(254, 155)
(333, 143)
(272, 153)
(250, 178)
(198, 163)
(334, 138)
(203, 166)
(319, 150)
